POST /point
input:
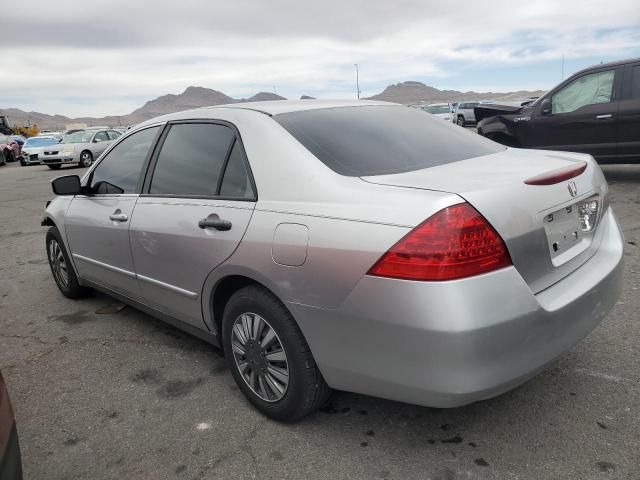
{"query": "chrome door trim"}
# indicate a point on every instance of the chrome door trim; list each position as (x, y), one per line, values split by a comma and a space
(168, 286)
(152, 281)
(105, 265)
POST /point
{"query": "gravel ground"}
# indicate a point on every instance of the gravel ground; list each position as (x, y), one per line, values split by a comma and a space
(120, 395)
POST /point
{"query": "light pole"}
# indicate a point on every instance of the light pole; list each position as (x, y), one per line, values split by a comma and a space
(357, 81)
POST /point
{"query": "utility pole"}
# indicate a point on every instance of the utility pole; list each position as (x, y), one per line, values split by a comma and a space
(357, 81)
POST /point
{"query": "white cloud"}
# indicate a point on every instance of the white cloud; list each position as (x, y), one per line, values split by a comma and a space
(76, 59)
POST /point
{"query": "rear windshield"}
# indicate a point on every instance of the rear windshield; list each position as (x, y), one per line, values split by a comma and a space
(380, 140)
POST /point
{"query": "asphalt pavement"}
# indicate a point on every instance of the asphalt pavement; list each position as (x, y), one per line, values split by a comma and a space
(105, 393)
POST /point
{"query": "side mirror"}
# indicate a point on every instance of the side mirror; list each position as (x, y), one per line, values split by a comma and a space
(67, 185)
(545, 106)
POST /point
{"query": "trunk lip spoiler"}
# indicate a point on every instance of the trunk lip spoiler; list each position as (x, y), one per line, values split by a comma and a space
(559, 175)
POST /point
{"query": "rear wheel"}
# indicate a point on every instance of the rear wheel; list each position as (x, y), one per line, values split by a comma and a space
(460, 120)
(86, 159)
(269, 357)
(54, 167)
(61, 269)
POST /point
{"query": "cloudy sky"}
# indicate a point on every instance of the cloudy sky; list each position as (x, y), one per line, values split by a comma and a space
(91, 58)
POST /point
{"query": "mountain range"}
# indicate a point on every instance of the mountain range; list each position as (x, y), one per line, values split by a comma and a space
(193, 97)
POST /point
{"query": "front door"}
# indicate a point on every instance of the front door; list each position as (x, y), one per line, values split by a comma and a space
(97, 224)
(197, 204)
(583, 117)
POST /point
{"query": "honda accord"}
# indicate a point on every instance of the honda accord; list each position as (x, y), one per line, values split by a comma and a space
(361, 246)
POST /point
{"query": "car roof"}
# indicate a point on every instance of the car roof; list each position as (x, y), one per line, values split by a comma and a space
(616, 63)
(276, 107)
(438, 104)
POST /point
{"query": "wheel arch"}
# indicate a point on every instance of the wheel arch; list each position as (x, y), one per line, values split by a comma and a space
(223, 287)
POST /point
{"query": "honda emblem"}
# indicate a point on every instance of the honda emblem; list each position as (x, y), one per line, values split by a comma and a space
(573, 190)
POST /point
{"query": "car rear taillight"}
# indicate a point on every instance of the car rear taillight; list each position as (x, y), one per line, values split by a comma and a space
(456, 242)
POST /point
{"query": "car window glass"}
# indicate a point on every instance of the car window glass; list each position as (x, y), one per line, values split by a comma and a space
(102, 136)
(113, 134)
(119, 171)
(378, 140)
(191, 160)
(635, 82)
(236, 183)
(587, 90)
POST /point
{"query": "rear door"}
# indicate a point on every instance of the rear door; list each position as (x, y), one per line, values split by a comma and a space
(583, 117)
(198, 199)
(97, 224)
(629, 116)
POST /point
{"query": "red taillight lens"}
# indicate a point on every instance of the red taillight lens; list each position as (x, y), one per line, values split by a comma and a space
(456, 242)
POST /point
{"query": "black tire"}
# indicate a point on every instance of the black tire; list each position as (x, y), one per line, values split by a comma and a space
(54, 167)
(23, 163)
(86, 159)
(72, 288)
(306, 390)
(460, 121)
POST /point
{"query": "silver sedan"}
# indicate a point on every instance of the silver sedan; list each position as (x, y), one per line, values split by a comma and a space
(80, 148)
(360, 246)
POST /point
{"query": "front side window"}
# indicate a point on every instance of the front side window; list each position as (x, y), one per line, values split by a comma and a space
(119, 172)
(101, 137)
(587, 90)
(191, 160)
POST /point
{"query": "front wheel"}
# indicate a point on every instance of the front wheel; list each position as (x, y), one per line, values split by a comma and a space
(61, 269)
(269, 357)
(460, 120)
(86, 159)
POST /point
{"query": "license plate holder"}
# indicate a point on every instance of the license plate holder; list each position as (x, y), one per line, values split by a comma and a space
(563, 230)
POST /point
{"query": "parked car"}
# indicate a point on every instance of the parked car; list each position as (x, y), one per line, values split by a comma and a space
(80, 148)
(356, 245)
(10, 461)
(34, 147)
(595, 111)
(464, 114)
(2, 159)
(11, 146)
(57, 135)
(440, 110)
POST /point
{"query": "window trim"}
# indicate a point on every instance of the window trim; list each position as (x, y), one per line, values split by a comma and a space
(86, 182)
(237, 138)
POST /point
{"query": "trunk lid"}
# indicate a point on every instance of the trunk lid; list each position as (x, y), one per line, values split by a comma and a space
(537, 222)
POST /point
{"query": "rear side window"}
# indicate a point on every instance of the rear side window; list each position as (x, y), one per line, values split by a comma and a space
(119, 172)
(236, 182)
(378, 140)
(113, 134)
(191, 160)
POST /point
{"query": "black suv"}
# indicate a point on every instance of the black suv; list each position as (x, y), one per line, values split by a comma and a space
(595, 111)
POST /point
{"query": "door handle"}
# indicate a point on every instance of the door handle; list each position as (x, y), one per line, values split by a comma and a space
(118, 216)
(214, 221)
(604, 117)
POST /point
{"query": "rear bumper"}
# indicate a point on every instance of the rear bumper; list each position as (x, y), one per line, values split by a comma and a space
(446, 344)
(10, 461)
